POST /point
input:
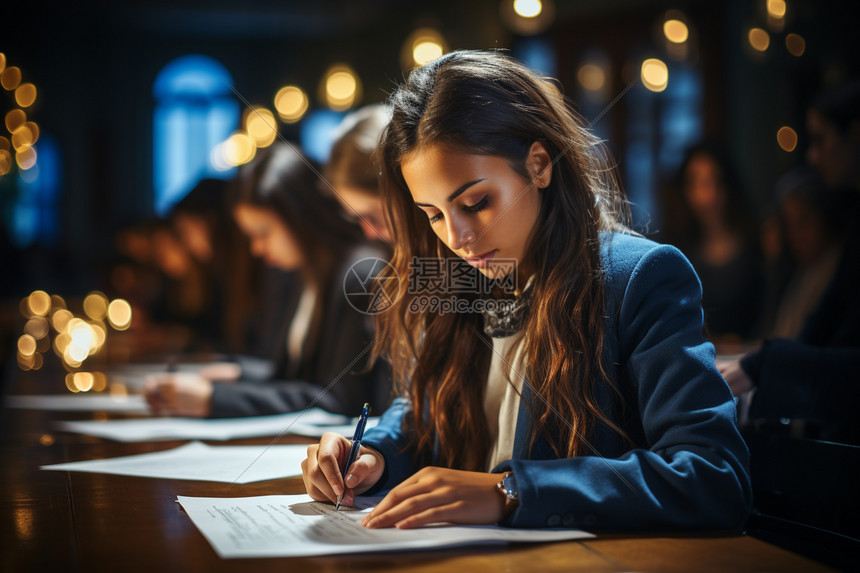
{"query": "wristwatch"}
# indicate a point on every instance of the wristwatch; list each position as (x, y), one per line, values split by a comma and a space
(507, 486)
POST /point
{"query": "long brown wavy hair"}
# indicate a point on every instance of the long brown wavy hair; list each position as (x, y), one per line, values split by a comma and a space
(488, 103)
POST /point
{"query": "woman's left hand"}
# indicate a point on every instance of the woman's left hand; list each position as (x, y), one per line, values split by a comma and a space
(436, 495)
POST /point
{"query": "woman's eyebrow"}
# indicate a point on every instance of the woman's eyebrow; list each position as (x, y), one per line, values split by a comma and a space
(460, 190)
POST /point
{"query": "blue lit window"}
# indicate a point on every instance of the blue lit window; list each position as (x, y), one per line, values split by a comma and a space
(317, 135)
(195, 110)
(660, 126)
(34, 212)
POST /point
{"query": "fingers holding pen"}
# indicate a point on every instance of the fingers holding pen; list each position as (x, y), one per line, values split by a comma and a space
(322, 471)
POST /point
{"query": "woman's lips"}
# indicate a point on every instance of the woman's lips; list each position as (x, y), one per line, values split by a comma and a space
(481, 260)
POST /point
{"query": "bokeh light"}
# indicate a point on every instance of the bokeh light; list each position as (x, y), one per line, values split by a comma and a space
(786, 137)
(591, 77)
(676, 31)
(95, 305)
(25, 94)
(39, 302)
(342, 87)
(14, 119)
(261, 126)
(291, 103)
(654, 74)
(10, 78)
(83, 381)
(239, 149)
(99, 382)
(26, 157)
(37, 327)
(70, 382)
(119, 314)
(795, 44)
(776, 8)
(759, 39)
(27, 345)
(60, 319)
(5, 162)
(528, 8)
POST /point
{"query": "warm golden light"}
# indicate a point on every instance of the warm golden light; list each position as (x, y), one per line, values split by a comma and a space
(759, 39)
(119, 314)
(83, 381)
(342, 87)
(591, 77)
(10, 78)
(27, 345)
(39, 302)
(795, 44)
(261, 126)
(46, 440)
(776, 8)
(654, 74)
(5, 162)
(421, 47)
(37, 327)
(95, 305)
(528, 8)
(84, 339)
(57, 301)
(5, 144)
(60, 319)
(99, 382)
(676, 31)
(25, 94)
(291, 103)
(23, 137)
(787, 138)
(99, 337)
(239, 149)
(70, 383)
(26, 157)
(15, 119)
(2, 62)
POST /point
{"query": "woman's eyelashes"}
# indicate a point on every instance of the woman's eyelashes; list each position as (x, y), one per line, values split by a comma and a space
(479, 206)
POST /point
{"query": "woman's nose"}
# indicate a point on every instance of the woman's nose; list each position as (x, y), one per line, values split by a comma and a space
(460, 234)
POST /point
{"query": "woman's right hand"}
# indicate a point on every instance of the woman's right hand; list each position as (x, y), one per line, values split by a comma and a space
(321, 471)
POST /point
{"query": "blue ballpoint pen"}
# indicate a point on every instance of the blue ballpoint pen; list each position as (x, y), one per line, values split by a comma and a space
(353, 450)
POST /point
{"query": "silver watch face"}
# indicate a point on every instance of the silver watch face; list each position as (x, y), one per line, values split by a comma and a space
(509, 485)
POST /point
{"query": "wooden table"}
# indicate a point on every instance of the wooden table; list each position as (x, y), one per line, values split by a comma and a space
(72, 521)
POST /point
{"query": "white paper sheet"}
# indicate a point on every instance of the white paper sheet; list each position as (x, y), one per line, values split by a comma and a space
(296, 526)
(198, 461)
(133, 404)
(307, 422)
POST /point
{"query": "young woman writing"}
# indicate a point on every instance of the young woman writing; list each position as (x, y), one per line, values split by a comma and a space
(592, 400)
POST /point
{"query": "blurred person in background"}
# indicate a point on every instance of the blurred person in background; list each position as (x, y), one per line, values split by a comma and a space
(204, 224)
(353, 173)
(813, 376)
(324, 341)
(711, 220)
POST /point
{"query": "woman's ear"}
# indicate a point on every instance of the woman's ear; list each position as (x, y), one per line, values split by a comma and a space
(539, 165)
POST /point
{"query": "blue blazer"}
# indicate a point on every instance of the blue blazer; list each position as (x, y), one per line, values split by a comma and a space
(689, 468)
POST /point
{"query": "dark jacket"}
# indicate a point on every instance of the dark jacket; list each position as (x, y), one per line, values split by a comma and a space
(689, 468)
(332, 374)
(817, 376)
